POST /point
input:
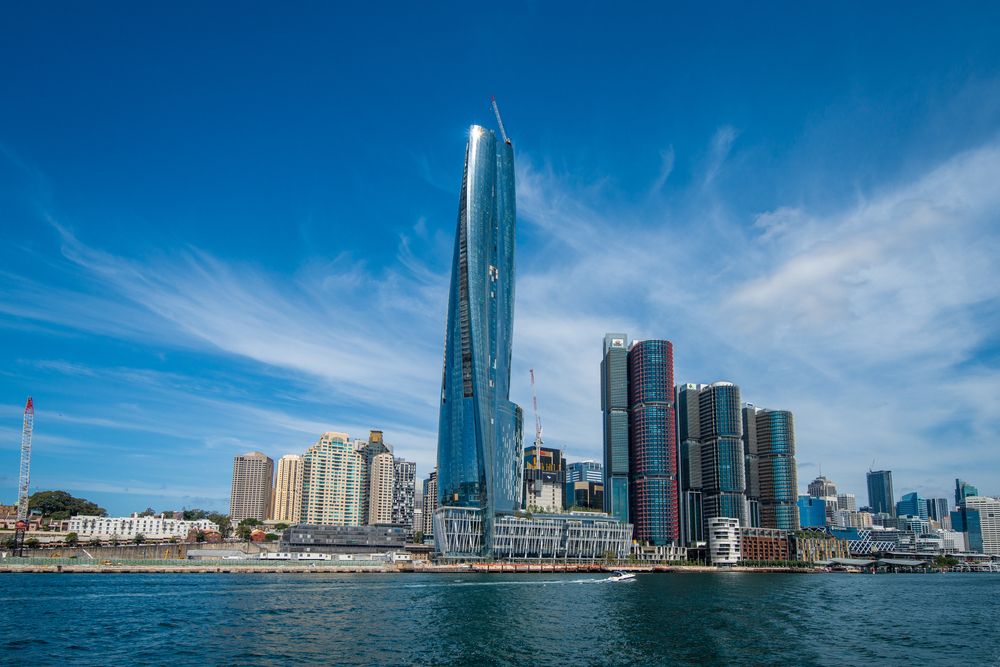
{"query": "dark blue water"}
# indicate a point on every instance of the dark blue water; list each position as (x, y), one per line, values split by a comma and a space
(196, 620)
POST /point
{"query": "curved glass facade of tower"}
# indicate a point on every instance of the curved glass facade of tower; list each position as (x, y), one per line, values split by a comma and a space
(775, 436)
(723, 475)
(652, 443)
(480, 447)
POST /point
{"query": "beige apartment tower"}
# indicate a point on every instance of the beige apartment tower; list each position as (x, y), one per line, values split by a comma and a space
(288, 490)
(332, 477)
(251, 496)
(380, 493)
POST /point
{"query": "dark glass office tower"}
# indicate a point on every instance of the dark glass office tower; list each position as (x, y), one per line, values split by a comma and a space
(962, 491)
(614, 406)
(723, 476)
(751, 464)
(880, 492)
(652, 446)
(480, 446)
(689, 458)
(774, 433)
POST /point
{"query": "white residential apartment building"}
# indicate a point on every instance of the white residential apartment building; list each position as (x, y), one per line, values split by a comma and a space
(380, 493)
(724, 540)
(150, 527)
(333, 472)
(288, 490)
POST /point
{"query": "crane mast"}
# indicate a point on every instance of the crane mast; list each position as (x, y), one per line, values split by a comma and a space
(503, 133)
(538, 424)
(22, 485)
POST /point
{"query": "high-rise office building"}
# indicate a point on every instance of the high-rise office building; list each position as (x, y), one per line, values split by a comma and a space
(288, 490)
(912, 505)
(332, 479)
(614, 407)
(880, 498)
(251, 492)
(821, 487)
(751, 462)
(689, 464)
(968, 521)
(812, 511)
(938, 509)
(989, 521)
(584, 485)
(544, 478)
(652, 443)
(723, 478)
(403, 491)
(480, 446)
(369, 450)
(963, 490)
(380, 489)
(774, 434)
(847, 502)
(430, 502)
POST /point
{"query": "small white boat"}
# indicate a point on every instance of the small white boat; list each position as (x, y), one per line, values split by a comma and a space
(621, 575)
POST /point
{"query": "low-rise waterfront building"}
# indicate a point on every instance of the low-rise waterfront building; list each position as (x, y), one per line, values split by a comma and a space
(816, 547)
(764, 544)
(659, 553)
(127, 528)
(573, 535)
(723, 540)
(306, 538)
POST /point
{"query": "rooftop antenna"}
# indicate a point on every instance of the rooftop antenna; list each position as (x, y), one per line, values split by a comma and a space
(502, 132)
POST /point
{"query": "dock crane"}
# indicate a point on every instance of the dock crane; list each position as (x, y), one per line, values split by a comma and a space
(534, 400)
(503, 133)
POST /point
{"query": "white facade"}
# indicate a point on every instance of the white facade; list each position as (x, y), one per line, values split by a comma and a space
(380, 493)
(288, 490)
(150, 527)
(989, 521)
(332, 478)
(724, 540)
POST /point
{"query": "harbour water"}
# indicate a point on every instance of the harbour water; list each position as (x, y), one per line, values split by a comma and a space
(723, 618)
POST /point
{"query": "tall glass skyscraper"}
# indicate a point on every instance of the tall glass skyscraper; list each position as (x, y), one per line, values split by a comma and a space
(880, 492)
(723, 476)
(774, 433)
(480, 446)
(652, 443)
(614, 405)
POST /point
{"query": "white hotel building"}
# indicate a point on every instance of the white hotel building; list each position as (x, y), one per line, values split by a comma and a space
(150, 527)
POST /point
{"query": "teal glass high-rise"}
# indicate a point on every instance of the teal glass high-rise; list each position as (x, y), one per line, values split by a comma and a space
(480, 445)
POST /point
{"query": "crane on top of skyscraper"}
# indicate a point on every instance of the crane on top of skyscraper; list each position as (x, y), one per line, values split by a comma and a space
(538, 424)
(502, 132)
(22, 485)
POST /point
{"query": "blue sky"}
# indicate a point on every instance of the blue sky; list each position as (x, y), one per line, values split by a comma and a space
(229, 228)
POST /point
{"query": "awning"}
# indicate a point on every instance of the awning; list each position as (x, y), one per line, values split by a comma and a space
(856, 562)
(896, 562)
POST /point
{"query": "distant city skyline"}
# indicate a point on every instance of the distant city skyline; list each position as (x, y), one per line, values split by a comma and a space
(215, 244)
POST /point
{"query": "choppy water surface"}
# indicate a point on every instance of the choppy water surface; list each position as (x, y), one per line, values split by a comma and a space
(465, 619)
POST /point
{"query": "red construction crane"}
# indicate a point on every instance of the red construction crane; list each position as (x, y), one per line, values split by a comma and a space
(22, 485)
(502, 132)
(538, 424)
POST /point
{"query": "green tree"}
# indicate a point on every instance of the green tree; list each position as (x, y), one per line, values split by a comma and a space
(243, 532)
(139, 538)
(61, 505)
(194, 515)
(10, 542)
(419, 537)
(147, 512)
(72, 539)
(31, 543)
(94, 542)
(222, 521)
(250, 521)
(199, 536)
(270, 537)
(280, 527)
